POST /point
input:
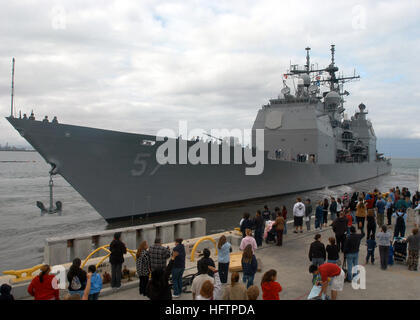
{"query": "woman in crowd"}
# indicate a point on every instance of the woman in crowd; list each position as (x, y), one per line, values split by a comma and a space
(259, 225)
(158, 287)
(76, 278)
(143, 266)
(44, 286)
(413, 250)
(207, 261)
(246, 224)
(284, 214)
(317, 253)
(248, 240)
(319, 215)
(236, 290)
(249, 266)
(389, 209)
(223, 252)
(325, 212)
(332, 251)
(383, 240)
(361, 213)
(279, 226)
(270, 288)
(371, 223)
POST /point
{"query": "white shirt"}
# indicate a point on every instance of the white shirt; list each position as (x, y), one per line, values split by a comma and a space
(198, 282)
(216, 291)
(299, 209)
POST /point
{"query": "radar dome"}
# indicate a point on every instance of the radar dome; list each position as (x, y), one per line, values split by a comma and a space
(306, 79)
(332, 97)
(362, 107)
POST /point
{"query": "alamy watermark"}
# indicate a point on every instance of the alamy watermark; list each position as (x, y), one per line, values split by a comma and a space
(183, 148)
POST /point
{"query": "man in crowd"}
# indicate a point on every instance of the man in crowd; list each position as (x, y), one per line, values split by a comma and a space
(380, 207)
(332, 271)
(351, 251)
(298, 214)
(158, 255)
(340, 228)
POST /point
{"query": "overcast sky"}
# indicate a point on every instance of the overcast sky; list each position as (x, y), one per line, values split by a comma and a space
(140, 66)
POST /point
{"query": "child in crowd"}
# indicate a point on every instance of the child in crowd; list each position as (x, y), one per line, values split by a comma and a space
(5, 294)
(269, 286)
(95, 283)
(371, 245)
(253, 292)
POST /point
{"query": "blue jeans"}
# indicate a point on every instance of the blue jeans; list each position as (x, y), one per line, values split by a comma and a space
(259, 237)
(177, 280)
(93, 296)
(318, 222)
(332, 261)
(353, 217)
(371, 255)
(399, 230)
(317, 261)
(352, 260)
(248, 279)
(79, 292)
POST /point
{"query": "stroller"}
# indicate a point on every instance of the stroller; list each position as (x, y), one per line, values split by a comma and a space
(270, 232)
(400, 250)
(271, 235)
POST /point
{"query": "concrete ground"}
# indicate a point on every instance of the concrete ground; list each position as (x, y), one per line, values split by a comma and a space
(292, 263)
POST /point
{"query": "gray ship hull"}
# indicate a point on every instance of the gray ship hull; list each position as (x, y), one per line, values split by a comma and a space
(120, 178)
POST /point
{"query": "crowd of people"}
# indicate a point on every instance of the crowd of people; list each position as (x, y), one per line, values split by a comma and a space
(366, 211)
(160, 270)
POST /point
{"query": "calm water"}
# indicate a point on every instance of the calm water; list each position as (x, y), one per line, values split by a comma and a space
(24, 180)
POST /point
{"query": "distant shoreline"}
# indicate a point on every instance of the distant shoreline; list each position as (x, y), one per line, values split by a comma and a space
(19, 150)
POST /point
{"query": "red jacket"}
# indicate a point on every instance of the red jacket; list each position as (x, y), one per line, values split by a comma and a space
(43, 290)
(271, 290)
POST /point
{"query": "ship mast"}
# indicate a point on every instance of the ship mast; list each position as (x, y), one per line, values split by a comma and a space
(307, 59)
(13, 87)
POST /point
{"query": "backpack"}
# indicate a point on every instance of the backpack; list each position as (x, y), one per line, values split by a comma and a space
(75, 283)
(400, 219)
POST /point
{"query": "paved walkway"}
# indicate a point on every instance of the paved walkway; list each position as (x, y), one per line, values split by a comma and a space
(292, 263)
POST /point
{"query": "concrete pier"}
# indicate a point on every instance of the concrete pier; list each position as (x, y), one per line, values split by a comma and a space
(291, 262)
(60, 250)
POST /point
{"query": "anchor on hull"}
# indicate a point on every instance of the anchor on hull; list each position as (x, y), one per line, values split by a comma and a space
(58, 205)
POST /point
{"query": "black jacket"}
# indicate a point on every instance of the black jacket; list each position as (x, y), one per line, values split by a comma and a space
(246, 224)
(317, 250)
(208, 262)
(81, 274)
(159, 289)
(259, 223)
(340, 226)
(332, 251)
(352, 243)
(118, 250)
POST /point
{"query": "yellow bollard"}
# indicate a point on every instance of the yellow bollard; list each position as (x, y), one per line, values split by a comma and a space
(19, 273)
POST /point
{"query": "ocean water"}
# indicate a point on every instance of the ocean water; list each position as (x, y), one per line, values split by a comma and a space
(24, 180)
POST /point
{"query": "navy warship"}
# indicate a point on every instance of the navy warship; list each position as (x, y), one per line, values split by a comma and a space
(309, 142)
